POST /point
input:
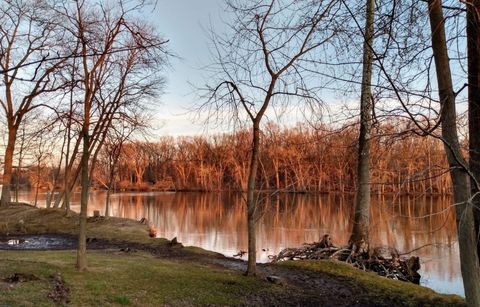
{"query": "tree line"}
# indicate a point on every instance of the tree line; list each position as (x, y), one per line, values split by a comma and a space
(298, 159)
(289, 162)
(401, 164)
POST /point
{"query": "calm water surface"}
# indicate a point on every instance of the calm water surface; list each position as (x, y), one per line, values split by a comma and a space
(217, 222)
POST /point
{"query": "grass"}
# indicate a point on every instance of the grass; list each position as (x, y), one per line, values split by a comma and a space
(377, 287)
(115, 279)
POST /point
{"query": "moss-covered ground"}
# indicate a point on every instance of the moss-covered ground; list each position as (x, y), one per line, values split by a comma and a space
(376, 288)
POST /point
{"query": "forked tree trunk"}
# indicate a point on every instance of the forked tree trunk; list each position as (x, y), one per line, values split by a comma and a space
(473, 46)
(461, 188)
(359, 237)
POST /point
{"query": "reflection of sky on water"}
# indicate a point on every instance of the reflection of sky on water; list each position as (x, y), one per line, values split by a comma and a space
(217, 222)
(437, 271)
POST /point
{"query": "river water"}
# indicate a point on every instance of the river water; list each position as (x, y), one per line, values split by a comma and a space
(217, 222)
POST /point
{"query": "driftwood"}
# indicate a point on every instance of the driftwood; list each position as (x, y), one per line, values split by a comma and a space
(384, 261)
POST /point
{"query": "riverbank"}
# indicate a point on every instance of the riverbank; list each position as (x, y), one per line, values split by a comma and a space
(126, 267)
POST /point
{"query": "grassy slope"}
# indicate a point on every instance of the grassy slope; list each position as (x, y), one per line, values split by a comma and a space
(124, 279)
(378, 287)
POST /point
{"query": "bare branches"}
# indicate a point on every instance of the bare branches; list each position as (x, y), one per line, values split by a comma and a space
(283, 37)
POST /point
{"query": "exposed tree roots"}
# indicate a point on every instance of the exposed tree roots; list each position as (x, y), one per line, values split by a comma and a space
(384, 261)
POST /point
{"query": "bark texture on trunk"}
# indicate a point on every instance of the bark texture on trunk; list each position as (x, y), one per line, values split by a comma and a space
(8, 167)
(359, 237)
(82, 233)
(252, 245)
(82, 236)
(460, 181)
(473, 47)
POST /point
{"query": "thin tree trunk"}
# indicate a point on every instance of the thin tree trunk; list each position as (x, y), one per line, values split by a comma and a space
(107, 203)
(461, 190)
(38, 183)
(66, 201)
(359, 237)
(82, 236)
(473, 45)
(110, 183)
(252, 246)
(8, 166)
(56, 177)
(19, 165)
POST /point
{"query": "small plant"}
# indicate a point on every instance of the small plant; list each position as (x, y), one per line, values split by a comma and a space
(122, 300)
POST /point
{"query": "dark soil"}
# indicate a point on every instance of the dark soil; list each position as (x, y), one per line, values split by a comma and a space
(20, 277)
(60, 292)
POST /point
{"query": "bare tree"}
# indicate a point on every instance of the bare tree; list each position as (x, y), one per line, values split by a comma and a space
(110, 156)
(361, 223)
(458, 166)
(266, 60)
(42, 152)
(29, 33)
(103, 35)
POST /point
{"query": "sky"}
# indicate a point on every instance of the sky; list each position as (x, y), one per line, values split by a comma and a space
(183, 23)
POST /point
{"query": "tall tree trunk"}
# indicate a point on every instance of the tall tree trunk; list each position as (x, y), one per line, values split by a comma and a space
(461, 189)
(252, 245)
(18, 174)
(473, 46)
(359, 237)
(66, 201)
(8, 166)
(82, 233)
(82, 236)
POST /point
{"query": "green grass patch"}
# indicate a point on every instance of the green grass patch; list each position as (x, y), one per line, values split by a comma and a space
(117, 279)
(376, 287)
(122, 300)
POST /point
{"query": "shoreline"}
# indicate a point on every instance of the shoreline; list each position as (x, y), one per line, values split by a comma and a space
(306, 282)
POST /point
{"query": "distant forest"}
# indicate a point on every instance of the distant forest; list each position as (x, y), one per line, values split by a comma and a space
(298, 159)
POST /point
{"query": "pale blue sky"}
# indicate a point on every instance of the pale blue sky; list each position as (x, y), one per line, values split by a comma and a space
(183, 23)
